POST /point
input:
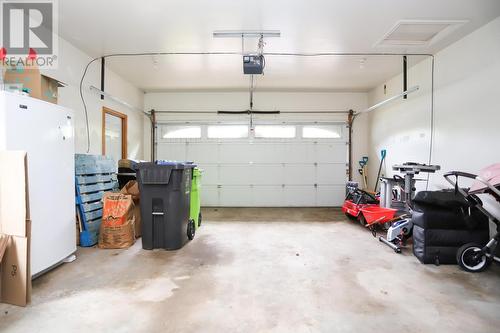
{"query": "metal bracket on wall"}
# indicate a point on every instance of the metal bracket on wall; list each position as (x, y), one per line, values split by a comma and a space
(103, 70)
(350, 120)
(405, 76)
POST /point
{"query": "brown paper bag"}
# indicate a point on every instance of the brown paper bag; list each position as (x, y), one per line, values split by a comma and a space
(117, 237)
(117, 227)
(132, 188)
(117, 208)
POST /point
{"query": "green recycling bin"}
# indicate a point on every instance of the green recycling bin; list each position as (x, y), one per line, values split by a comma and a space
(195, 211)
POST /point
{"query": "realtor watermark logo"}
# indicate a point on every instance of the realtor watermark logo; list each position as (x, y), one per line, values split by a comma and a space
(29, 33)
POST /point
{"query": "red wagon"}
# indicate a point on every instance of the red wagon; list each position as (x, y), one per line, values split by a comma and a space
(364, 207)
(357, 199)
(352, 209)
(376, 215)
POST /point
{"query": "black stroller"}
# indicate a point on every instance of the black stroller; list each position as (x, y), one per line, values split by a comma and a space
(477, 257)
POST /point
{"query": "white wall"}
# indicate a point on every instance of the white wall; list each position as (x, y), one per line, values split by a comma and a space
(72, 62)
(283, 101)
(467, 109)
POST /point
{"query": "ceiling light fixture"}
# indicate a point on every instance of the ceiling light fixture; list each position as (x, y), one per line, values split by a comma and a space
(246, 33)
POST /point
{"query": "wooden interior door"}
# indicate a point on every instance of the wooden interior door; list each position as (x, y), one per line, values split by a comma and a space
(114, 134)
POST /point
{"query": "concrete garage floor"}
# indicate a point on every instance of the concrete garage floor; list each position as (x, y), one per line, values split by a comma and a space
(251, 270)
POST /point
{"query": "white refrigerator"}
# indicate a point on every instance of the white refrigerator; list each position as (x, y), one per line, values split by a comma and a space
(46, 132)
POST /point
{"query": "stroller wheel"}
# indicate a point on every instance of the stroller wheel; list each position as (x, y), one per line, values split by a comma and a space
(471, 258)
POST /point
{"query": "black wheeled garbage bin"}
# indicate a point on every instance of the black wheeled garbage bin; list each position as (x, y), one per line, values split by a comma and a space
(165, 188)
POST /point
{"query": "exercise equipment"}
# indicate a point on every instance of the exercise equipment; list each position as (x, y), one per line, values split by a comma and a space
(392, 193)
(401, 230)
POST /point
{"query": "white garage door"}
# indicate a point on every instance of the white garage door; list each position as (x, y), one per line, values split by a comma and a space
(272, 165)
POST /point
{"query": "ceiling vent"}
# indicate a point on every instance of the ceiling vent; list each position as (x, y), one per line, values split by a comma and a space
(419, 32)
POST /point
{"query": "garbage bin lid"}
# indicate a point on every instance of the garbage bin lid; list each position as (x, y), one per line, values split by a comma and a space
(176, 164)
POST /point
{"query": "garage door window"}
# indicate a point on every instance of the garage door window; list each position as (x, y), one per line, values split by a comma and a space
(322, 132)
(275, 131)
(227, 131)
(181, 132)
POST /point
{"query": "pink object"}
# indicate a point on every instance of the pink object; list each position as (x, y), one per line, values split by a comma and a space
(490, 174)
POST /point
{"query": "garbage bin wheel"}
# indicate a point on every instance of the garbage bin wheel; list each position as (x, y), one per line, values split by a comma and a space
(199, 220)
(190, 229)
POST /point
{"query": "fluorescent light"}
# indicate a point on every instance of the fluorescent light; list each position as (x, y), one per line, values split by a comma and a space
(246, 33)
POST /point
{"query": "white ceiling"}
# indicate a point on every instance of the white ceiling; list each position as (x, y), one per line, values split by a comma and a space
(124, 26)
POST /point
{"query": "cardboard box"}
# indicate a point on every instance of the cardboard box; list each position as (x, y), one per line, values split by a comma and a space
(15, 229)
(15, 273)
(38, 85)
(4, 241)
(14, 202)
